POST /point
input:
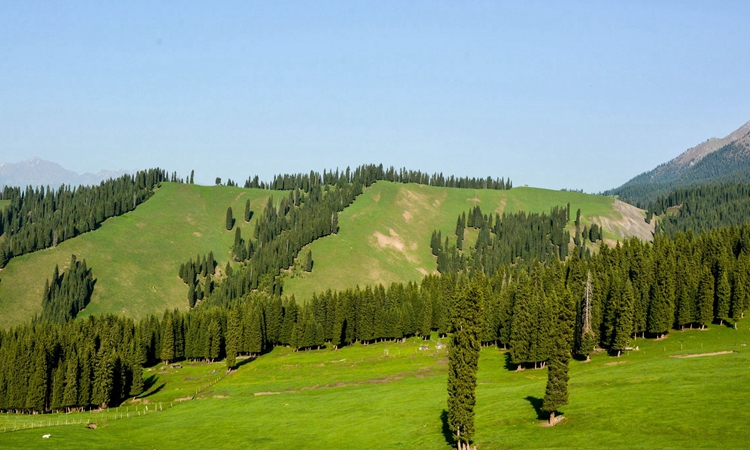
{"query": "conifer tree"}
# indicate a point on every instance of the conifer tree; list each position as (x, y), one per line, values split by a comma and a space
(70, 396)
(192, 174)
(308, 261)
(588, 338)
(167, 340)
(705, 297)
(624, 319)
(248, 212)
(229, 219)
(723, 293)
(463, 359)
(556, 393)
(103, 380)
(234, 334)
(36, 394)
(136, 387)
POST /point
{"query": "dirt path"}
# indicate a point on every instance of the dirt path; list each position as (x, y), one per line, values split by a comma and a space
(696, 355)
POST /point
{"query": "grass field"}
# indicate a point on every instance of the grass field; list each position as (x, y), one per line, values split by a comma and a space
(384, 237)
(3, 204)
(391, 395)
(136, 257)
(385, 234)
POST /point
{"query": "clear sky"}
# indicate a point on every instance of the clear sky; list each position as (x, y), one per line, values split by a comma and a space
(580, 95)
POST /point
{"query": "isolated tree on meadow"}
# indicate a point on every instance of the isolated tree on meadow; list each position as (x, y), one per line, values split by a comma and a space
(248, 212)
(229, 219)
(192, 174)
(308, 261)
(556, 393)
(463, 360)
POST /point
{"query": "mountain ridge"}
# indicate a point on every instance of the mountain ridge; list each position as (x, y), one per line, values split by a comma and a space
(36, 171)
(715, 160)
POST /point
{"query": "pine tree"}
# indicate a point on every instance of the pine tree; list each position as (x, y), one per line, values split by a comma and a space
(229, 219)
(136, 387)
(234, 334)
(588, 338)
(36, 395)
(705, 297)
(58, 388)
(308, 261)
(167, 340)
(248, 212)
(463, 359)
(192, 175)
(723, 293)
(70, 396)
(103, 380)
(624, 319)
(556, 393)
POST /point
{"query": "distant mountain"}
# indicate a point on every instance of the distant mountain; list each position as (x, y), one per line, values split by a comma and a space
(713, 161)
(38, 172)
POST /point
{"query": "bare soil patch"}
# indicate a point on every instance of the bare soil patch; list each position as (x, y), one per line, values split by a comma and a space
(697, 355)
(616, 363)
(407, 216)
(389, 241)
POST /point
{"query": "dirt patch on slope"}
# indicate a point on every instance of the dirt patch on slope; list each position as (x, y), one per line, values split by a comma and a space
(407, 216)
(389, 241)
(631, 223)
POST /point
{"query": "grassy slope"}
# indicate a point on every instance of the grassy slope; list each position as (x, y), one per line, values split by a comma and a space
(136, 257)
(3, 204)
(405, 215)
(359, 397)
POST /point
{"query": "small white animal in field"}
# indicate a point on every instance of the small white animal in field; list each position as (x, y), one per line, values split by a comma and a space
(46, 436)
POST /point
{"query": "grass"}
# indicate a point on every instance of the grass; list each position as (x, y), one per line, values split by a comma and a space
(136, 257)
(384, 236)
(391, 395)
(3, 204)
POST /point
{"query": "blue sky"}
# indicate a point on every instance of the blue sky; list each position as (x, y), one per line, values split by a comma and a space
(580, 95)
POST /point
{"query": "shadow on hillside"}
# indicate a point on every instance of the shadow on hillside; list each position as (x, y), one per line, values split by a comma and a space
(242, 362)
(149, 382)
(537, 404)
(161, 386)
(446, 428)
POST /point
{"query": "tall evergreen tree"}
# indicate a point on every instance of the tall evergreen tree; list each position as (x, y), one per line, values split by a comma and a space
(463, 360)
(229, 219)
(234, 334)
(556, 393)
(167, 339)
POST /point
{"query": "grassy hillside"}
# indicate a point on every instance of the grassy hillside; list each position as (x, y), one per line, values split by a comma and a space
(390, 395)
(385, 234)
(3, 204)
(136, 257)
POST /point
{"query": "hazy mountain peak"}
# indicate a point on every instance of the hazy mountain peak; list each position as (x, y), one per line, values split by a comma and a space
(36, 171)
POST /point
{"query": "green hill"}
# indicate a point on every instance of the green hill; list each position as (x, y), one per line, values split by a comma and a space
(385, 234)
(391, 395)
(384, 237)
(136, 257)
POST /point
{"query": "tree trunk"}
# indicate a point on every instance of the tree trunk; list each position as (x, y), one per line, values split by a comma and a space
(552, 418)
(518, 369)
(618, 353)
(588, 358)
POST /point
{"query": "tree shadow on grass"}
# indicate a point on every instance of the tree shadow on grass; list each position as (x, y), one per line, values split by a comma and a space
(537, 404)
(159, 388)
(242, 362)
(149, 382)
(447, 434)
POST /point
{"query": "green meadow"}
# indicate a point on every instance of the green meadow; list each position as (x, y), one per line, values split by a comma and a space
(384, 235)
(392, 395)
(136, 257)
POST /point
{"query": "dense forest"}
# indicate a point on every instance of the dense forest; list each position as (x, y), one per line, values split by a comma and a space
(38, 218)
(369, 174)
(503, 240)
(68, 292)
(729, 164)
(634, 289)
(701, 208)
